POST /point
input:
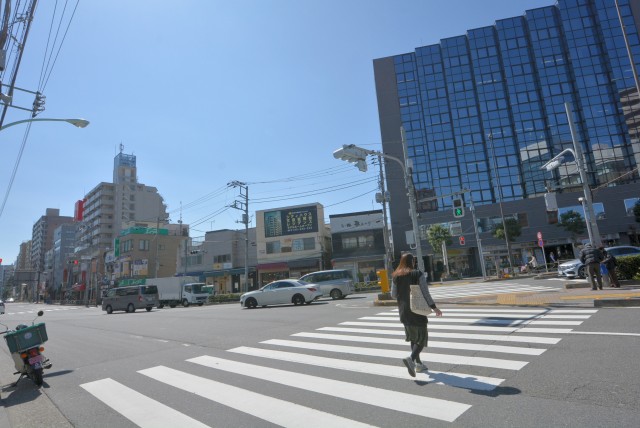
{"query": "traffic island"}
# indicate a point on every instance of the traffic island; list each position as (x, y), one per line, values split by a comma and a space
(385, 299)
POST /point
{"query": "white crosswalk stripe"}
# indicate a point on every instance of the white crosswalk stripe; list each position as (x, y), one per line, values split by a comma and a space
(485, 289)
(467, 340)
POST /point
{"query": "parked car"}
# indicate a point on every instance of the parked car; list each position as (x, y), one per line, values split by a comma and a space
(335, 283)
(1, 307)
(281, 292)
(574, 268)
(10, 300)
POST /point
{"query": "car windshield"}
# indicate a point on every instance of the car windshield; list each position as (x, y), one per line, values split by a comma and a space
(199, 288)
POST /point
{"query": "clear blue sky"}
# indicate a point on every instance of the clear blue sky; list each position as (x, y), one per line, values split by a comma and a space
(206, 92)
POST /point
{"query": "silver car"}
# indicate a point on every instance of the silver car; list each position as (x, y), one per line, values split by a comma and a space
(336, 283)
(281, 292)
(574, 268)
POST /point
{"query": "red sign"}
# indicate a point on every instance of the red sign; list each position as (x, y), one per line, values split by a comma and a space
(461, 240)
(539, 235)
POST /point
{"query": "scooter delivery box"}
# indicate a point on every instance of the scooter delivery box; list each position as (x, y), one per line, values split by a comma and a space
(26, 338)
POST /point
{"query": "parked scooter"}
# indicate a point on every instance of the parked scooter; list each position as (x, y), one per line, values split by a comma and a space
(25, 345)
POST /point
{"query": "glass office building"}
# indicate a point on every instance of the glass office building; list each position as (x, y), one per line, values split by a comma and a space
(485, 110)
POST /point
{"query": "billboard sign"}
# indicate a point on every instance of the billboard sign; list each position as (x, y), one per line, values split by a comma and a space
(292, 221)
(356, 222)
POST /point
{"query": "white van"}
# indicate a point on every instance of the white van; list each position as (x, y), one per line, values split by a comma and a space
(130, 298)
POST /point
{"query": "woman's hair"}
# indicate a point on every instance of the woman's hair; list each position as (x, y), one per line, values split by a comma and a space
(405, 266)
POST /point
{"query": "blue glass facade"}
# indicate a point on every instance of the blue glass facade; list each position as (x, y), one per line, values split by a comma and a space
(484, 111)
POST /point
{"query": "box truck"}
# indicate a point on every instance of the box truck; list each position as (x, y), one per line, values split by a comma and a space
(179, 290)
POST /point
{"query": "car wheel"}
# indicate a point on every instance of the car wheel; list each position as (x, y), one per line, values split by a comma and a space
(148, 308)
(336, 294)
(109, 309)
(581, 272)
(185, 303)
(251, 303)
(160, 306)
(173, 305)
(131, 308)
(298, 299)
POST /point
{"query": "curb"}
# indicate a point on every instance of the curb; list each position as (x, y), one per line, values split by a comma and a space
(616, 303)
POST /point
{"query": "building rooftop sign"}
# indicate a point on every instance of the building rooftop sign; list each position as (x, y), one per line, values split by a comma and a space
(144, 231)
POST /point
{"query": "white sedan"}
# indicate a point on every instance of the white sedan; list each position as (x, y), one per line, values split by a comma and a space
(281, 292)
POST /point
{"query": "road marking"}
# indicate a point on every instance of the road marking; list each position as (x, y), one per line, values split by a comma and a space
(432, 343)
(399, 401)
(476, 321)
(270, 409)
(523, 328)
(139, 409)
(386, 353)
(458, 380)
(469, 336)
(604, 333)
(524, 311)
(509, 315)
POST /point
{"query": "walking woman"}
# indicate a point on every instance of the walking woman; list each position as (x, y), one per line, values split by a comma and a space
(415, 326)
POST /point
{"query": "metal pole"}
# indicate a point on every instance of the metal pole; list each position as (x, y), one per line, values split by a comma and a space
(594, 232)
(504, 224)
(385, 231)
(626, 43)
(408, 179)
(478, 240)
(246, 239)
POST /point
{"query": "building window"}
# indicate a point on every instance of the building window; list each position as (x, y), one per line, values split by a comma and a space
(303, 244)
(127, 245)
(222, 258)
(143, 245)
(273, 247)
(629, 204)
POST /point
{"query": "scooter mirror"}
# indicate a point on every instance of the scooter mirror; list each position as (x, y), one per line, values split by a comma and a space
(40, 313)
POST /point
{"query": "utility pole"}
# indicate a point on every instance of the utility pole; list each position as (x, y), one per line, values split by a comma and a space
(385, 231)
(243, 206)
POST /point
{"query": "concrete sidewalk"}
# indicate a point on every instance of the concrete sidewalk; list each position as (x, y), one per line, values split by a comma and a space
(573, 294)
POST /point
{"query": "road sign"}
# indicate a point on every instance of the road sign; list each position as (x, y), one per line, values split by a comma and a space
(539, 235)
(461, 240)
(540, 243)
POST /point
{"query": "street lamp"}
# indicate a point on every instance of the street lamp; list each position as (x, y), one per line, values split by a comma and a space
(352, 153)
(587, 202)
(80, 123)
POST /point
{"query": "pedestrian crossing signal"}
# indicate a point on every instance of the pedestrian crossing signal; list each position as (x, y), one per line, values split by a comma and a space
(458, 208)
(461, 240)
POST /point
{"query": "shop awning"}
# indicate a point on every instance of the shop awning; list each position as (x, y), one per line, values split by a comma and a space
(226, 272)
(304, 263)
(273, 266)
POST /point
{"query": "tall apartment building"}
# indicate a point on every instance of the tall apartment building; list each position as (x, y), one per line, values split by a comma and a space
(42, 236)
(484, 111)
(109, 208)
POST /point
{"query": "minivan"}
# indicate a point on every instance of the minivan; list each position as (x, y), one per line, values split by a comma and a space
(335, 283)
(130, 298)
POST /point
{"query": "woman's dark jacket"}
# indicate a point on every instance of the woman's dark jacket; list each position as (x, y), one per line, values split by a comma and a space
(404, 291)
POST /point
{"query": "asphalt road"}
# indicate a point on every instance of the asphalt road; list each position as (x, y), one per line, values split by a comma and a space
(332, 363)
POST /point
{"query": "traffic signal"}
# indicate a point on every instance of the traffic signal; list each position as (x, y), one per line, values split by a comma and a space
(458, 208)
(75, 262)
(461, 240)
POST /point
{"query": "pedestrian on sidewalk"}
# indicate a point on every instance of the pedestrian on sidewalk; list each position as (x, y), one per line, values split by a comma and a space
(415, 326)
(591, 257)
(610, 263)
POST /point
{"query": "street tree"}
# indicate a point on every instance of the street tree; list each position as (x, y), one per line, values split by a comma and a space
(636, 211)
(437, 235)
(513, 229)
(574, 223)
